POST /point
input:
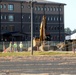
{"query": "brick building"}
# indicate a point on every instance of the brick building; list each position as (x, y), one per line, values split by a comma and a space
(15, 22)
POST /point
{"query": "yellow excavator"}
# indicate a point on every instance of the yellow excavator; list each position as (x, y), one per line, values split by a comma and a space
(40, 41)
(37, 41)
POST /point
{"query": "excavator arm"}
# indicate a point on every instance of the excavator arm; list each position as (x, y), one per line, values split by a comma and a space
(42, 29)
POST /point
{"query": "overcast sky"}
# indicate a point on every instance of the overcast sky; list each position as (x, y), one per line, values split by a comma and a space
(70, 13)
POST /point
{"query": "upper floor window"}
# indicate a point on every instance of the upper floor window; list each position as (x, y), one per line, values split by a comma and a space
(11, 18)
(6, 27)
(38, 8)
(54, 18)
(51, 9)
(22, 6)
(2, 27)
(29, 27)
(48, 9)
(51, 18)
(57, 18)
(29, 6)
(35, 8)
(57, 9)
(60, 9)
(60, 18)
(4, 6)
(54, 9)
(22, 16)
(10, 7)
(45, 9)
(48, 18)
(1, 6)
(41, 8)
(1, 17)
(36, 28)
(29, 17)
(5, 17)
(61, 28)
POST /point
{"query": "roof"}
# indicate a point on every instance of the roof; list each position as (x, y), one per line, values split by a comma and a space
(37, 1)
(73, 36)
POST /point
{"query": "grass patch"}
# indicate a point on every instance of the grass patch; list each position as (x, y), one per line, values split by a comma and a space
(37, 53)
(14, 54)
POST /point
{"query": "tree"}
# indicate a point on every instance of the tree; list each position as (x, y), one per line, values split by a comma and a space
(74, 31)
(68, 31)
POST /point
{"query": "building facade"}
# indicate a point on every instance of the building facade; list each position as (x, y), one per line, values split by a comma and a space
(15, 20)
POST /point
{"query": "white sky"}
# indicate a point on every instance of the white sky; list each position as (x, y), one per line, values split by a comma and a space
(69, 13)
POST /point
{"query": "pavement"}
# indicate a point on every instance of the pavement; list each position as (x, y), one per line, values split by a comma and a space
(38, 65)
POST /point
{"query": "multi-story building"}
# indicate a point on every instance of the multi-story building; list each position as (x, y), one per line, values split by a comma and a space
(16, 17)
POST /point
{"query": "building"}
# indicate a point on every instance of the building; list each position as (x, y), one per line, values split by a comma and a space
(15, 22)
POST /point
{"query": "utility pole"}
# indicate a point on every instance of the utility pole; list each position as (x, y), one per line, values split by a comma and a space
(31, 27)
(59, 22)
(0, 23)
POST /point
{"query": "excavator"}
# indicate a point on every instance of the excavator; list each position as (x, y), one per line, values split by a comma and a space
(37, 42)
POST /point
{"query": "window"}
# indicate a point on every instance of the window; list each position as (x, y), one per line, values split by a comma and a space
(5, 17)
(54, 18)
(57, 18)
(51, 9)
(6, 27)
(60, 18)
(58, 28)
(48, 9)
(38, 8)
(35, 8)
(54, 9)
(48, 18)
(55, 28)
(11, 28)
(1, 17)
(22, 16)
(36, 18)
(11, 7)
(1, 6)
(29, 6)
(29, 17)
(61, 28)
(4, 6)
(49, 27)
(57, 37)
(45, 9)
(60, 9)
(22, 6)
(11, 18)
(61, 37)
(2, 27)
(57, 9)
(51, 18)
(36, 28)
(41, 8)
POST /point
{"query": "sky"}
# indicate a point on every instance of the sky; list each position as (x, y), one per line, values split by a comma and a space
(69, 13)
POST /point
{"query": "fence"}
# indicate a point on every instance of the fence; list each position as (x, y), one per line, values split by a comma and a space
(50, 45)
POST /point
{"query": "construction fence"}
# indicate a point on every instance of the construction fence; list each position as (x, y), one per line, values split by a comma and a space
(50, 45)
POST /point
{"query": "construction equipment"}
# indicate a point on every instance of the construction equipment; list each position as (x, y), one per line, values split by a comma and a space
(37, 41)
